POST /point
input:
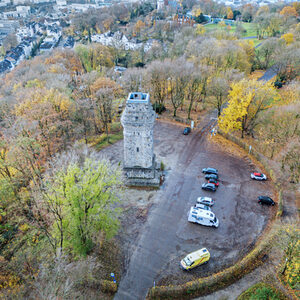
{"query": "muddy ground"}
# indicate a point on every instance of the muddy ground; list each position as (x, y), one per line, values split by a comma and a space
(155, 234)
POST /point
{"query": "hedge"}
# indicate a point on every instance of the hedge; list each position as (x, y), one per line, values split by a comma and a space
(207, 285)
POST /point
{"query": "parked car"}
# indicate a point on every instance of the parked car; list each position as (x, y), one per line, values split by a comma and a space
(265, 200)
(258, 176)
(206, 201)
(210, 171)
(209, 187)
(195, 259)
(203, 217)
(202, 206)
(187, 130)
(214, 181)
(211, 176)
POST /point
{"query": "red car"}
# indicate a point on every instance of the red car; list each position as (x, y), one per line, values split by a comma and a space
(213, 181)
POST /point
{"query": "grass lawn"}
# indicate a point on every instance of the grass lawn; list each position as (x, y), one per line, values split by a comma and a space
(249, 27)
(100, 141)
(262, 291)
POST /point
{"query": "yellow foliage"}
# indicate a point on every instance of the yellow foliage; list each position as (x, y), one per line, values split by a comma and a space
(289, 11)
(288, 38)
(58, 101)
(222, 24)
(196, 12)
(289, 94)
(229, 13)
(24, 227)
(200, 29)
(246, 99)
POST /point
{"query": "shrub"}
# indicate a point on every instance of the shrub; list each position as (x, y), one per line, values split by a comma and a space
(261, 291)
(107, 286)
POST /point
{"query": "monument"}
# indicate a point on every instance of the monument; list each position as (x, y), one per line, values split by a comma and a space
(138, 120)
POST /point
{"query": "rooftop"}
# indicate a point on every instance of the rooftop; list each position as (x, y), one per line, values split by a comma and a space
(138, 97)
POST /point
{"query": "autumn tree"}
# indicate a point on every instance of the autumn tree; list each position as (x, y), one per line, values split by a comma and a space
(105, 94)
(200, 29)
(267, 52)
(219, 87)
(247, 99)
(289, 11)
(229, 13)
(177, 81)
(156, 76)
(288, 38)
(132, 80)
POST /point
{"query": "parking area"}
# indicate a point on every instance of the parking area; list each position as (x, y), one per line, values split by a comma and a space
(155, 233)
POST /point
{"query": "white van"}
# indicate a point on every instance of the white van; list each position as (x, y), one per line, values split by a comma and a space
(203, 217)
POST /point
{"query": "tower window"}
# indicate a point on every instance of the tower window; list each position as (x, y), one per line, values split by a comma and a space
(137, 149)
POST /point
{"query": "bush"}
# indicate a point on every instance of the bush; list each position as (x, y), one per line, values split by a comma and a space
(261, 291)
(158, 108)
(162, 166)
(107, 286)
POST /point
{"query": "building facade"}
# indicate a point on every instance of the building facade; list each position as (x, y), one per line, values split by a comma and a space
(138, 121)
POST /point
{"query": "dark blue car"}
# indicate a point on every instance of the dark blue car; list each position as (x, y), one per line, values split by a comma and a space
(187, 130)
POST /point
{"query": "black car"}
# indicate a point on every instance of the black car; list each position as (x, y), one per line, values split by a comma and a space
(265, 200)
(211, 176)
(210, 171)
(209, 187)
(187, 130)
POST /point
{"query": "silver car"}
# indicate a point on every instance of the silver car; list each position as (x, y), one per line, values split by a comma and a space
(206, 201)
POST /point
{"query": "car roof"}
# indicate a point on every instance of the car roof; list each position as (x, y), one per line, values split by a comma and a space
(203, 213)
(204, 198)
(197, 254)
(257, 174)
(264, 197)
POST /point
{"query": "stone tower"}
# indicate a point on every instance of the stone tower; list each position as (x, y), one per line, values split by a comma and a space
(138, 121)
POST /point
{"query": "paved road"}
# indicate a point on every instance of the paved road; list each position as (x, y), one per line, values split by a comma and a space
(167, 236)
(270, 73)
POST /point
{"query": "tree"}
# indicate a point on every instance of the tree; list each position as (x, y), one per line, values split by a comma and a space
(288, 38)
(156, 81)
(200, 29)
(247, 99)
(83, 198)
(132, 80)
(105, 93)
(193, 88)
(219, 87)
(177, 81)
(289, 11)
(267, 52)
(229, 13)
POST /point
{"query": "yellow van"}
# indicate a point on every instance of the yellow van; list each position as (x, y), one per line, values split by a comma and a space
(195, 259)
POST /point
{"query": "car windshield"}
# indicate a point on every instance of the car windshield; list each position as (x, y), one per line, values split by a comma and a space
(187, 261)
(215, 219)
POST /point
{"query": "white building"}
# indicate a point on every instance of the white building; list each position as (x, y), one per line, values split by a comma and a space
(23, 11)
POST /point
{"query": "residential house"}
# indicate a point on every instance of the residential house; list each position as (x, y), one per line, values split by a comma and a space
(5, 66)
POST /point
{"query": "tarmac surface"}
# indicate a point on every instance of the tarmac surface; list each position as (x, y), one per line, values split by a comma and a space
(155, 233)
